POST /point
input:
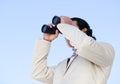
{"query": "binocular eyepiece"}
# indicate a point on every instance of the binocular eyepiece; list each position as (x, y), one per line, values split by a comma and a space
(47, 29)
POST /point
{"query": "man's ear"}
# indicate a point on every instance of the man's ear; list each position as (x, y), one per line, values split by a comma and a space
(84, 30)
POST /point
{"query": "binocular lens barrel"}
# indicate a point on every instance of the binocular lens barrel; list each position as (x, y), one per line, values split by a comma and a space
(47, 29)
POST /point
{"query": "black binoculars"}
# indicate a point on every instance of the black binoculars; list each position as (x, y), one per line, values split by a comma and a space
(46, 29)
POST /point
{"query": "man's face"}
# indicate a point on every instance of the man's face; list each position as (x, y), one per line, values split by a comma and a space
(74, 23)
(68, 43)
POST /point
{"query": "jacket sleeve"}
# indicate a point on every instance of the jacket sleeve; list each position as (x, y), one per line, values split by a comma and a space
(101, 54)
(40, 71)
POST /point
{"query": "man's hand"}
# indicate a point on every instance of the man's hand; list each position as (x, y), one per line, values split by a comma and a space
(66, 19)
(51, 37)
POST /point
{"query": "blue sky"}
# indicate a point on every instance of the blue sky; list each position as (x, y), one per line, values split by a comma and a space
(20, 24)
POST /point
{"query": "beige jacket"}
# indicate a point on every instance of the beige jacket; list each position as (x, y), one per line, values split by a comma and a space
(91, 66)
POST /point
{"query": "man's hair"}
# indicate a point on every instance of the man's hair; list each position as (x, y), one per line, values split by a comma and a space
(83, 24)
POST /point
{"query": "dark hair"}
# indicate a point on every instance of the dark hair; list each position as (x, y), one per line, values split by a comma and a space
(83, 24)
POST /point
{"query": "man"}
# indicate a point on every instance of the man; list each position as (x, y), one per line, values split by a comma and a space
(90, 64)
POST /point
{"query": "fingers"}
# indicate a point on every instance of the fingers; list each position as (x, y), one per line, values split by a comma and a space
(51, 25)
(57, 32)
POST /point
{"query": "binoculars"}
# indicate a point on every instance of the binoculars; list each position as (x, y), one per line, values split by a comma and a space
(46, 29)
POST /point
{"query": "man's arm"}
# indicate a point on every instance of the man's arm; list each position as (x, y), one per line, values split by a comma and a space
(101, 54)
(40, 70)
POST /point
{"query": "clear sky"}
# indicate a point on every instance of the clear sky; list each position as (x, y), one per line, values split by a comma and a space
(20, 24)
